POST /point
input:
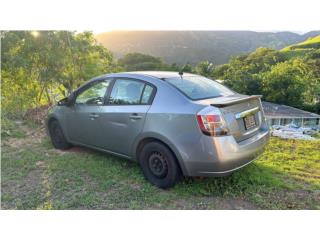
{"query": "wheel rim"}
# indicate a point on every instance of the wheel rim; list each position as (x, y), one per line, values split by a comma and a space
(57, 134)
(158, 165)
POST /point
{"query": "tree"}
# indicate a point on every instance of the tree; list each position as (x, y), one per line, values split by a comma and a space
(204, 68)
(243, 73)
(187, 68)
(38, 67)
(312, 75)
(141, 62)
(284, 84)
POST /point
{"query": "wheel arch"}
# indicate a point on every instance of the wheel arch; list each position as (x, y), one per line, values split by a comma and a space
(143, 140)
(56, 117)
(51, 119)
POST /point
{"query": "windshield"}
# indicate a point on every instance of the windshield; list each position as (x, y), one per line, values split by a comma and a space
(197, 87)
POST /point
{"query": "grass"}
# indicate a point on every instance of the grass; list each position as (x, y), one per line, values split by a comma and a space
(309, 43)
(9, 129)
(301, 49)
(36, 176)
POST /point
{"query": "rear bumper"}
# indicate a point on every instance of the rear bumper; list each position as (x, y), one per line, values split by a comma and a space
(220, 156)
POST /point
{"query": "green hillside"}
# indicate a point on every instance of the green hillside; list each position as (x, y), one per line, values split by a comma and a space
(302, 48)
(313, 42)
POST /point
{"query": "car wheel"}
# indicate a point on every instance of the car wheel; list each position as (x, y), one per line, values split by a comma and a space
(57, 137)
(159, 165)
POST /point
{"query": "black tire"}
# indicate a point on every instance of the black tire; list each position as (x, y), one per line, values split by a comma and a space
(57, 137)
(159, 165)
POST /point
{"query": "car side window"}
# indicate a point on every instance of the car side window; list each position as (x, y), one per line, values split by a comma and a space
(147, 93)
(126, 92)
(94, 95)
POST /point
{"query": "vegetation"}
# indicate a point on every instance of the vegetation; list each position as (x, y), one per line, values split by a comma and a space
(39, 67)
(309, 43)
(280, 76)
(204, 68)
(143, 62)
(36, 176)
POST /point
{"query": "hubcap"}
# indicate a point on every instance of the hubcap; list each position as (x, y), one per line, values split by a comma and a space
(158, 165)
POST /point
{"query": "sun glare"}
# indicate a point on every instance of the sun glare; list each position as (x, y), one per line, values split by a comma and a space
(35, 34)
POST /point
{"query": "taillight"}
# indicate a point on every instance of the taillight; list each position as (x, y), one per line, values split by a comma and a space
(211, 122)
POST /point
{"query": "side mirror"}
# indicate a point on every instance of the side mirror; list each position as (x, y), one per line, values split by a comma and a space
(67, 101)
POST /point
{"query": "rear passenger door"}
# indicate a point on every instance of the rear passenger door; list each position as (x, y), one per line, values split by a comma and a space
(123, 115)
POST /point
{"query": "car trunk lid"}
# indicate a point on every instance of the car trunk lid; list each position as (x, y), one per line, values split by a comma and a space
(243, 114)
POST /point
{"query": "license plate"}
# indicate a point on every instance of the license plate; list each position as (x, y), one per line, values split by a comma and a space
(249, 122)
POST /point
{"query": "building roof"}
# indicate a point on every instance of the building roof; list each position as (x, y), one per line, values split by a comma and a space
(273, 110)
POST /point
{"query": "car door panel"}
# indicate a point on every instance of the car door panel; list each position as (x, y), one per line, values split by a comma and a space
(82, 126)
(122, 119)
(83, 119)
(120, 125)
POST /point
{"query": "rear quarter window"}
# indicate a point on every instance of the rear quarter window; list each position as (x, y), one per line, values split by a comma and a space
(147, 93)
(197, 87)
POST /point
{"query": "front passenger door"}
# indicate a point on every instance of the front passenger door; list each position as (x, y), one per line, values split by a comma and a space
(84, 117)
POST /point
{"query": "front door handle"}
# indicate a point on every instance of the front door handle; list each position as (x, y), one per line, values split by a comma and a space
(135, 116)
(93, 116)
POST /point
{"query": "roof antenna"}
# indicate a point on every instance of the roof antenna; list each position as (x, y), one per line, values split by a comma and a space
(181, 73)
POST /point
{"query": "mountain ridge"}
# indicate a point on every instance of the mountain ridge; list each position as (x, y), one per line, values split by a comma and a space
(183, 47)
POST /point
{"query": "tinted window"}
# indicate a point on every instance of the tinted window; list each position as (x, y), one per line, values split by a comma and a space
(147, 92)
(126, 92)
(94, 95)
(197, 87)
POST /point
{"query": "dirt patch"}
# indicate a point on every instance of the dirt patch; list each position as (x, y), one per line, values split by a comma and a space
(297, 199)
(20, 190)
(238, 204)
(40, 164)
(33, 137)
(203, 203)
(38, 114)
(76, 149)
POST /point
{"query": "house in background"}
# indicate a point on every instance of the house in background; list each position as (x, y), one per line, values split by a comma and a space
(277, 114)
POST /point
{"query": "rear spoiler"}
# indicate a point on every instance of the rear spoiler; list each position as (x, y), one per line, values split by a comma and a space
(234, 101)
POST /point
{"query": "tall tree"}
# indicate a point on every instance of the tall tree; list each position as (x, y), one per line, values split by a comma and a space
(38, 67)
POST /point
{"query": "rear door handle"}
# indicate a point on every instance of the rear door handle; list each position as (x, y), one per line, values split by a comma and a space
(135, 116)
(93, 116)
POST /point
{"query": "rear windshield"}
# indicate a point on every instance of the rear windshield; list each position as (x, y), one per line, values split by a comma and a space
(197, 87)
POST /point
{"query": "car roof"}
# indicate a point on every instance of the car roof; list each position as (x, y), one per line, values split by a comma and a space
(157, 74)
(161, 75)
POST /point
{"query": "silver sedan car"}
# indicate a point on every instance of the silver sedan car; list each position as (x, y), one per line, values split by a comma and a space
(172, 123)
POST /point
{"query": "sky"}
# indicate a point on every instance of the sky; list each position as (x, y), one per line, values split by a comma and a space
(103, 15)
